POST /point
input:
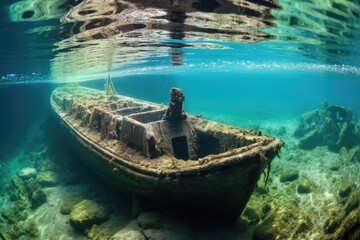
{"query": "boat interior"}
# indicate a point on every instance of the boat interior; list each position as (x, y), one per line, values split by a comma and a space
(141, 126)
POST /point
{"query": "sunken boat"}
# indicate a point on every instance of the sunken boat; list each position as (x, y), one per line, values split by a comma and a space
(163, 155)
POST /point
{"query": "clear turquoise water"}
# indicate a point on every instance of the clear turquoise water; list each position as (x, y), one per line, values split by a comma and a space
(303, 52)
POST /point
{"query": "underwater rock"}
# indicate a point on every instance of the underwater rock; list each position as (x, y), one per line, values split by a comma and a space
(26, 191)
(45, 164)
(131, 231)
(349, 228)
(87, 213)
(22, 203)
(9, 216)
(255, 210)
(151, 220)
(252, 215)
(305, 186)
(38, 198)
(285, 223)
(310, 140)
(289, 176)
(108, 228)
(345, 189)
(330, 126)
(48, 179)
(354, 154)
(35, 193)
(25, 230)
(67, 204)
(16, 189)
(343, 154)
(27, 173)
(262, 190)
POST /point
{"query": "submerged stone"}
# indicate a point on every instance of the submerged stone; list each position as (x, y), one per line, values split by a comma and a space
(27, 173)
(131, 231)
(252, 215)
(354, 154)
(35, 193)
(45, 164)
(289, 176)
(310, 140)
(67, 204)
(330, 126)
(345, 189)
(107, 229)
(24, 230)
(87, 213)
(48, 179)
(151, 220)
(305, 186)
(38, 198)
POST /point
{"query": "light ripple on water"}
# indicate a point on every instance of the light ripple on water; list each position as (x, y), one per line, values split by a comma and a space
(219, 66)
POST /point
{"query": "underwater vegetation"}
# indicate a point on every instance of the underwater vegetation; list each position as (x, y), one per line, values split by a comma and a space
(311, 193)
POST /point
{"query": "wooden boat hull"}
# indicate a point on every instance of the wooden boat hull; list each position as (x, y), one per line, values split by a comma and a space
(220, 190)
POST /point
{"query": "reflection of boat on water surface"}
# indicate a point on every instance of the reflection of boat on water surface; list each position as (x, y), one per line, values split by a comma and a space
(126, 33)
(184, 161)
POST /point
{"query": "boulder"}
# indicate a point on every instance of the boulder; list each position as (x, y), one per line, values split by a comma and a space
(38, 198)
(150, 220)
(45, 164)
(85, 214)
(35, 194)
(289, 176)
(345, 189)
(305, 186)
(48, 179)
(67, 204)
(27, 173)
(354, 154)
(131, 231)
(108, 228)
(330, 126)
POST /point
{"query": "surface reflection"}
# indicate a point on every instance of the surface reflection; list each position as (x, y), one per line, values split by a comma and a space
(102, 35)
(112, 34)
(322, 30)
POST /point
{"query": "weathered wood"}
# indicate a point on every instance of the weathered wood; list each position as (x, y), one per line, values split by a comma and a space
(135, 151)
